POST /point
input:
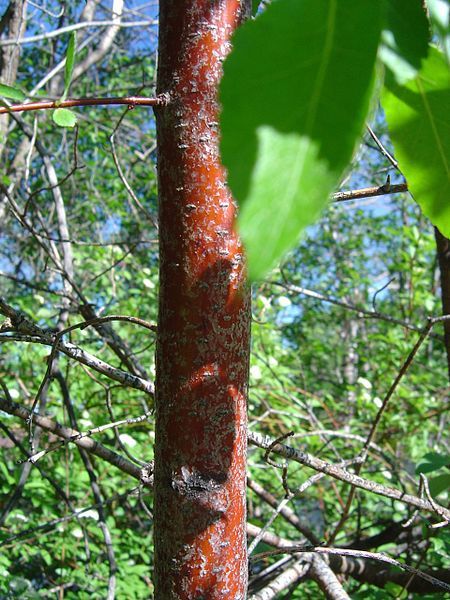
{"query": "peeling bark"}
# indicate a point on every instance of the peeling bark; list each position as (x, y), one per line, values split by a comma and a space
(204, 320)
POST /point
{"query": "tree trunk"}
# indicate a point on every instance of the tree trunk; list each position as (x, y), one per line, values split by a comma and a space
(443, 254)
(12, 25)
(204, 319)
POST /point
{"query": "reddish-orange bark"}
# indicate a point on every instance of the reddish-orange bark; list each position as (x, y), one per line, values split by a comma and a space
(204, 319)
(443, 254)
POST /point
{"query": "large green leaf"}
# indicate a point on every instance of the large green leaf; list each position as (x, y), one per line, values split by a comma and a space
(417, 114)
(295, 93)
(405, 38)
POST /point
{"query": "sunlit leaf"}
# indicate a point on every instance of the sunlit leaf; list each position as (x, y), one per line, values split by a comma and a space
(6, 91)
(405, 38)
(64, 117)
(294, 103)
(417, 114)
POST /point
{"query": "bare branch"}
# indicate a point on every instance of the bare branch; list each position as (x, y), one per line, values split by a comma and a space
(341, 474)
(287, 578)
(358, 568)
(106, 41)
(27, 331)
(76, 26)
(378, 556)
(72, 435)
(87, 359)
(89, 433)
(326, 579)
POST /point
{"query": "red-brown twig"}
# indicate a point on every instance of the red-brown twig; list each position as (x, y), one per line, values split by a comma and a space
(130, 101)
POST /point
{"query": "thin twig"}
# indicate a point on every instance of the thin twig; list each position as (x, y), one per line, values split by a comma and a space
(285, 511)
(122, 177)
(342, 474)
(135, 320)
(382, 148)
(33, 458)
(294, 494)
(59, 335)
(279, 439)
(69, 434)
(426, 487)
(130, 101)
(98, 496)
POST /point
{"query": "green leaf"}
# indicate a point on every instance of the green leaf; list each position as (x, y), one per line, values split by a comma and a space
(294, 102)
(417, 116)
(6, 91)
(70, 63)
(439, 484)
(64, 117)
(432, 462)
(405, 38)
